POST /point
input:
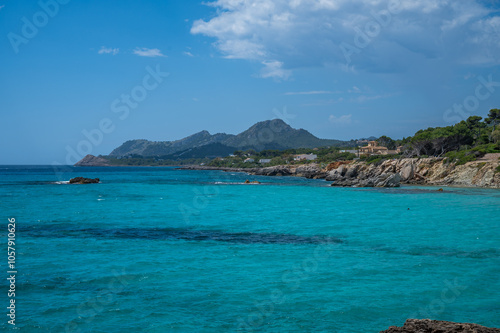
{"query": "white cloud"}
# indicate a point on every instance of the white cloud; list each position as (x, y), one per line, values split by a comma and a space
(354, 90)
(314, 92)
(145, 52)
(1, 7)
(342, 120)
(274, 69)
(365, 98)
(189, 54)
(108, 50)
(287, 34)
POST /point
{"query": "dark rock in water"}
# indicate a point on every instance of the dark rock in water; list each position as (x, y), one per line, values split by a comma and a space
(82, 180)
(252, 182)
(438, 326)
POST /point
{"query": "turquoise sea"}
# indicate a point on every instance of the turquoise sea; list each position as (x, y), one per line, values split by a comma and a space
(166, 250)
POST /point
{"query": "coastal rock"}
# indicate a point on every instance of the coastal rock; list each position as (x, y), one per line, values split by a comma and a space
(306, 170)
(438, 326)
(364, 175)
(309, 171)
(427, 171)
(252, 182)
(341, 170)
(392, 180)
(352, 172)
(272, 171)
(82, 180)
(407, 172)
(335, 165)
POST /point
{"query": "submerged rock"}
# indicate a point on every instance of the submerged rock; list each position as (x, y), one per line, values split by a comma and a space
(438, 326)
(82, 180)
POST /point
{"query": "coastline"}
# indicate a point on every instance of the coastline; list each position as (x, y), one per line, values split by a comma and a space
(428, 171)
(389, 173)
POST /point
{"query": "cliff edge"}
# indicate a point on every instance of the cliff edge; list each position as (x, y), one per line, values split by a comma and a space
(424, 171)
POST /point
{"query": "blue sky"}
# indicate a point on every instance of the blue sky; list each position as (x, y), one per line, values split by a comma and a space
(340, 69)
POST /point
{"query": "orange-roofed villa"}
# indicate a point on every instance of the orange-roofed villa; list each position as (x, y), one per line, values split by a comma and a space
(374, 149)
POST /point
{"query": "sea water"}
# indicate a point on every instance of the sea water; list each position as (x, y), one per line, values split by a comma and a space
(167, 250)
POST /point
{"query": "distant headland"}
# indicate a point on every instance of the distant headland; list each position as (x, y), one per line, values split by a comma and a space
(464, 154)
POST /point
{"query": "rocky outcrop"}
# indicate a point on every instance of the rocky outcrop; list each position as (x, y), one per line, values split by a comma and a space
(82, 180)
(438, 326)
(335, 165)
(389, 173)
(425, 171)
(363, 175)
(313, 171)
(91, 160)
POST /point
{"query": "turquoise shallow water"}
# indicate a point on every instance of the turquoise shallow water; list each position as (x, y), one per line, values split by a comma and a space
(165, 250)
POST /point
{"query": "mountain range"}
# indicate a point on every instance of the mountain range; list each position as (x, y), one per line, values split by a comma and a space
(270, 134)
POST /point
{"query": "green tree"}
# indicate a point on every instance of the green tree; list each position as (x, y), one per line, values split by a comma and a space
(387, 142)
(475, 126)
(493, 118)
(495, 135)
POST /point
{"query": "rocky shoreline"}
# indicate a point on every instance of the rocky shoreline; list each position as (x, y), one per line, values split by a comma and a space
(435, 326)
(388, 173)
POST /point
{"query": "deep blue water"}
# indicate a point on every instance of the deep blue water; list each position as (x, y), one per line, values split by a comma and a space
(165, 250)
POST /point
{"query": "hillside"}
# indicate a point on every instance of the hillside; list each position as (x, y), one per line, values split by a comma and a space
(270, 134)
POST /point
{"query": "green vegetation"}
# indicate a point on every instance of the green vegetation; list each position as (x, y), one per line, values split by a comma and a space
(460, 143)
(387, 142)
(471, 154)
(377, 159)
(280, 157)
(271, 134)
(481, 165)
(460, 157)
